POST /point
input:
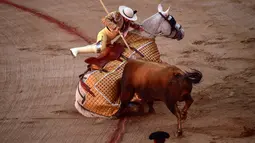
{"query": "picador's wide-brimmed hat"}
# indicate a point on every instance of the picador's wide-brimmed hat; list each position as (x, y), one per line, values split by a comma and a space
(128, 13)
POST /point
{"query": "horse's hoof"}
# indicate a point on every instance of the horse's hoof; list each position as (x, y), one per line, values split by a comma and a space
(117, 115)
(114, 118)
(99, 121)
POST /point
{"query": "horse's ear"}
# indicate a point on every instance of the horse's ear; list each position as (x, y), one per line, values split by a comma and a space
(167, 11)
(160, 8)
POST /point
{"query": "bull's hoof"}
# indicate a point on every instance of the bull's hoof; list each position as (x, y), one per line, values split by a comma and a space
(152, 111)
(178, 134)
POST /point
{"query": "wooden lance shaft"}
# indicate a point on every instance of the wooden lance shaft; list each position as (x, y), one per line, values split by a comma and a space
(118, 31)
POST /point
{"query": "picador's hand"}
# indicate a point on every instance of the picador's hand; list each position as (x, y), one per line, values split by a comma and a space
(125, 33)
(117, 29)
(141, 28)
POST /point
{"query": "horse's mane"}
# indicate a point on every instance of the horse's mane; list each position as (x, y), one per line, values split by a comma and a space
(150, 20)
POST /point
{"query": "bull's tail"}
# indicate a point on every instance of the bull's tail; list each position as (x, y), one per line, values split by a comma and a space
(194, 76)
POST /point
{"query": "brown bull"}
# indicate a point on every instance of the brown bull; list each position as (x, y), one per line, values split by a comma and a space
(155, 81)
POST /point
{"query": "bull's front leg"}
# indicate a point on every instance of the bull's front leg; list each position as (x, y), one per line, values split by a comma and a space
(188, 102)
(151, 109)
(125, 98)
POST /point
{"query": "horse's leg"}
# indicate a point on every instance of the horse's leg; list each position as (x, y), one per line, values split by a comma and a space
(188, 101)
(151, 109)
(175, 110)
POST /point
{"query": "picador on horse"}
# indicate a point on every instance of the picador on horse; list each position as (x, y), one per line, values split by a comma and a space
(114, 22)
(97, 94)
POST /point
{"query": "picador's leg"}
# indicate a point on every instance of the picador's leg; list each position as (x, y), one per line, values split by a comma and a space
(97, 47)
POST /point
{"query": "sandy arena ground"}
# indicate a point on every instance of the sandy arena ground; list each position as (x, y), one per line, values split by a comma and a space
(39, 76)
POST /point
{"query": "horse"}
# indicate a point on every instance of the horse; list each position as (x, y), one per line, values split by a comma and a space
(157, 81)
(97, 90)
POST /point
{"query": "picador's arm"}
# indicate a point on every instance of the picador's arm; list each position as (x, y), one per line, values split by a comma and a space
(136, 26)
(111, 20)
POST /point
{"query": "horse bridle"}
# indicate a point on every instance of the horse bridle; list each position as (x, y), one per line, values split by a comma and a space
(170, 19)
(172, 22)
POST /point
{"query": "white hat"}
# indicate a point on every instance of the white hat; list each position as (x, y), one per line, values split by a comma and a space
(128, 13)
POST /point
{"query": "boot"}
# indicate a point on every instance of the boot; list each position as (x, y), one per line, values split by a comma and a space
(74, 52)
(93, 48)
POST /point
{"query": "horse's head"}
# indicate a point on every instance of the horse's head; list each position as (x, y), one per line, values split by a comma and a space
(162, 23)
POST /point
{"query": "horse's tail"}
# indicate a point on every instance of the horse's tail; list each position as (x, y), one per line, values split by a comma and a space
(194, 76)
